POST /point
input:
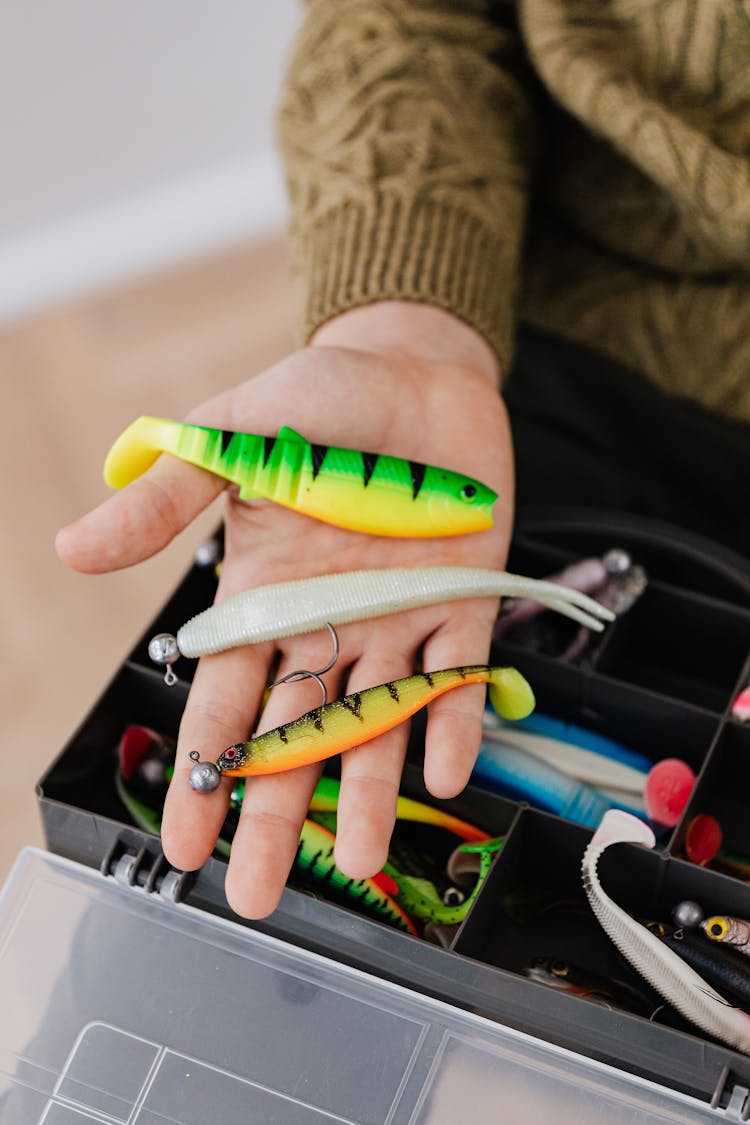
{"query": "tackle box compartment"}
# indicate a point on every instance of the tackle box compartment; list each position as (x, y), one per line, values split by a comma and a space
(661, 680)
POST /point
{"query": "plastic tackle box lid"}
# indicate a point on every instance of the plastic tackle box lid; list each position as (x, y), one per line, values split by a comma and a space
(120, 1007)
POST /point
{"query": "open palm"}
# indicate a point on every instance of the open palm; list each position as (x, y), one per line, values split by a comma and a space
(446, 415)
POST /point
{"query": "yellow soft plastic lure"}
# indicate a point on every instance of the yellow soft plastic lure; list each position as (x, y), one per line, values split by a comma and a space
(367, 492)
(326, 799)
(357, 718)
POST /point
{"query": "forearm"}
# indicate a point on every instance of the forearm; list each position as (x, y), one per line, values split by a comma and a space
(406, 131)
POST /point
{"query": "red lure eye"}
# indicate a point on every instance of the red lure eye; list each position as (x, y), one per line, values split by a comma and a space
(230, 754)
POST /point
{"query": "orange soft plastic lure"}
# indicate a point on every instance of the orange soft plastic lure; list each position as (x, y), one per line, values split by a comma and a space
(355, 719)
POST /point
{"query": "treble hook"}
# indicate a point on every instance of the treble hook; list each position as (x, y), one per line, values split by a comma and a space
(304, 674)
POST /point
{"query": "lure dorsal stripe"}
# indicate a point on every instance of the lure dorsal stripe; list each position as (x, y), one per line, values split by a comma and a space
(318, 457)
(417, 470)
(369, 461)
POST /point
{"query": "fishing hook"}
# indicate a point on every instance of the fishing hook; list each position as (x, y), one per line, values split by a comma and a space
(304, 674)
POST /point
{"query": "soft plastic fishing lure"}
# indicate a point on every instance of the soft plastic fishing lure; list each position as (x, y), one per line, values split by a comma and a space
(680, 985)
(564, 976)
(146, 766)
(515, 773)
(730, 931)
(417, 895)
(741, 706)
(313, 863)
(723, 968)
(326, 799)
(355, 719)
(592, 767)
(367, 492)
(286, 609)
(420, 899)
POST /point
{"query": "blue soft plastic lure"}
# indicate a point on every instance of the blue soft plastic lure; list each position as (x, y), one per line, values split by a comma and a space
(512, 772)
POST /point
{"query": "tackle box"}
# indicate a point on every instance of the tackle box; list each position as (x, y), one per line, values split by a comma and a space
(130, 993)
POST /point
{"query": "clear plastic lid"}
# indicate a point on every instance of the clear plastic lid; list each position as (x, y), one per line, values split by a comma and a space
(119, 1007)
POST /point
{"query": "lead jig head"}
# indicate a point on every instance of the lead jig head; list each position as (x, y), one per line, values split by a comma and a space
(205, 777)
(163, 650)
(688, 915)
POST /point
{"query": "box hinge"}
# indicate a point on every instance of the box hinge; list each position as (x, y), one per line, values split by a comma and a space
(735, 1097)
(147, 870)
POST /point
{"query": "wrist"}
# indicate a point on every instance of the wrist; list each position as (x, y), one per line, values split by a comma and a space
(410, 329)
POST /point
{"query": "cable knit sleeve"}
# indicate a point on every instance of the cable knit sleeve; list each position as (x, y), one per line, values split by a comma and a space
(406, 130)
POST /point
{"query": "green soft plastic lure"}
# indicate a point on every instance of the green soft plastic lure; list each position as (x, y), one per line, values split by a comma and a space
(367, 492)
(416, 896)
(315, 862)
(419, 898)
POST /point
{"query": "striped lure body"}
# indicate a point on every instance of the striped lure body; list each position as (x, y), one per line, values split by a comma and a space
(366, 492)
(417, 895)
(357, 718)
(315, 861)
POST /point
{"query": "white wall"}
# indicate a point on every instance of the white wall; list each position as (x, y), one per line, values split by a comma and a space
(133, 135)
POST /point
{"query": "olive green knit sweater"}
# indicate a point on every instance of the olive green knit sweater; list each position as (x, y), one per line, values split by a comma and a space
(579, 165)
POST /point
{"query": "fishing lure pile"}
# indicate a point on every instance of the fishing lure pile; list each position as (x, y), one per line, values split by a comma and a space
(375, 494)
(652, 948)
(436, 865)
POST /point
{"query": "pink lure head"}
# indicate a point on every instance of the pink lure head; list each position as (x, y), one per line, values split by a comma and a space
(668, 789)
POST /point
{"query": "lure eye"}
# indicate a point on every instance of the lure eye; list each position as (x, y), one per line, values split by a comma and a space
(468, 492)
(453, 897)
(559, 968)
(716, 928)
(230, 754)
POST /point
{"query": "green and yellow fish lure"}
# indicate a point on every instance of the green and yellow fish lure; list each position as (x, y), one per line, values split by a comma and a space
(367, 492)
(357, 718)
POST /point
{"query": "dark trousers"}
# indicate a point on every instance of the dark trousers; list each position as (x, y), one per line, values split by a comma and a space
(588, 433)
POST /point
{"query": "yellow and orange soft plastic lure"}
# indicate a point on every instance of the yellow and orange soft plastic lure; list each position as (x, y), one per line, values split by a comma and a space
(357, 718)
(367, 492)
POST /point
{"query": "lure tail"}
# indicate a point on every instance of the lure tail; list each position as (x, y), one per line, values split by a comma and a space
(138, 447)
(510, 694)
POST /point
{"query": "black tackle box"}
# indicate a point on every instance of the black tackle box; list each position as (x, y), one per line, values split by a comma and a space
(131, 993)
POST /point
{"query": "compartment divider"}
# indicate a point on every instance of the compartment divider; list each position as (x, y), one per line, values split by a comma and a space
(722, 792)
(485, 892)
(685, 645)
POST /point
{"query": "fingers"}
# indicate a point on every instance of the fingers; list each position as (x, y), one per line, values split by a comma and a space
(454, 723)
(221, 710)
(371, 774)
(276, 805)
(136, 523)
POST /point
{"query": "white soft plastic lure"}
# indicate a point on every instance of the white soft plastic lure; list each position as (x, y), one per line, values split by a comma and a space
(286, 609)
(680, 985)
(575, 761)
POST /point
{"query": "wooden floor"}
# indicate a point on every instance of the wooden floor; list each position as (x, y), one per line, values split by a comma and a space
(70, 380)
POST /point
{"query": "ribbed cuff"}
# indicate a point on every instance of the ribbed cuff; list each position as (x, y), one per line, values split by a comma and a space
(393, 248)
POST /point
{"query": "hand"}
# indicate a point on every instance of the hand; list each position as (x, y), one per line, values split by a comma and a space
(433, 399)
